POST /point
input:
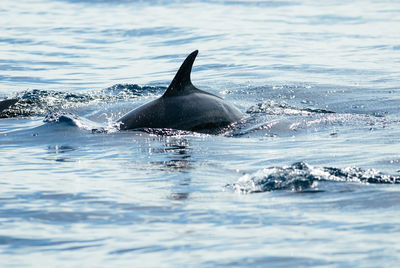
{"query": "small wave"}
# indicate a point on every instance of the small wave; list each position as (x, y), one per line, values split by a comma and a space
(273, 119)
(40, 102)
(73, 120)
(301, 176)
(271, 107)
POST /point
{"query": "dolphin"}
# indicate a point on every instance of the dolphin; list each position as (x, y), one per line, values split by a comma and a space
(7, 103)
(183, 107)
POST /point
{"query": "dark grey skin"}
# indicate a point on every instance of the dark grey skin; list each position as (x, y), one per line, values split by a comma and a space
(183, 107)
(4, 104)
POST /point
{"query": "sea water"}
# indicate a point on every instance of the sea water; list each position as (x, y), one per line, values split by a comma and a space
(309, 177)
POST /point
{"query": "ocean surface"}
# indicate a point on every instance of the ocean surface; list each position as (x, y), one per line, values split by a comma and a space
(309, 177)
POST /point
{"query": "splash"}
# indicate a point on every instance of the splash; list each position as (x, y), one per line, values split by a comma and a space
(301, 176)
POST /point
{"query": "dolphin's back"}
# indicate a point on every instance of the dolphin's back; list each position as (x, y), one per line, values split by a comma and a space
(199, 111)
(195, 111)
(183, 106)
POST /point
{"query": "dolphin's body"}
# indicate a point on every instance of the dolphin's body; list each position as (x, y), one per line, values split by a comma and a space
(183, 107)
(4, 104)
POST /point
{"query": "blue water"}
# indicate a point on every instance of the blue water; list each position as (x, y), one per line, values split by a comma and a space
(310, 176)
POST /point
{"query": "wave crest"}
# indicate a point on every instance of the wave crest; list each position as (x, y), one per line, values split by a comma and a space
(301, 176)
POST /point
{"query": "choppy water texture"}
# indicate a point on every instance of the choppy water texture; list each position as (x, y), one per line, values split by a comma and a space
(309, 177)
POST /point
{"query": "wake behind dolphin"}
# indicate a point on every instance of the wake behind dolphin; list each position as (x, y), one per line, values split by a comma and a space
(183, 107)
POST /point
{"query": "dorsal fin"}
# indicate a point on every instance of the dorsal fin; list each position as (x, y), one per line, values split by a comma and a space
(182, 77)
